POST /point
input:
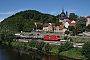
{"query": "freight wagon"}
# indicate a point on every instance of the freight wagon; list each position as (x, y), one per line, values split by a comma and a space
(51, 37)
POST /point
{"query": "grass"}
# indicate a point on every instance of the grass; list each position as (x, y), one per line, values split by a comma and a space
(80, 39)
(77, 39)
(73, 53)
(54, 49)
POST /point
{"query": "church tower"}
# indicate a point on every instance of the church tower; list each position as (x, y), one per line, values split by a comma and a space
(63, 17)
(66, 14)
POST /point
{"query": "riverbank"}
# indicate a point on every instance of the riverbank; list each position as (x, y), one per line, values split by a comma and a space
(73, 53)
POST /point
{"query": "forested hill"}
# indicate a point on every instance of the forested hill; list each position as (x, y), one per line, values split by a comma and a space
(24, 20)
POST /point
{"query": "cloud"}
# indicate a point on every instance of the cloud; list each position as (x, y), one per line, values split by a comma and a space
(1, 19)
(11, 12)
(6, 13)
(54, 12)
(71, 11)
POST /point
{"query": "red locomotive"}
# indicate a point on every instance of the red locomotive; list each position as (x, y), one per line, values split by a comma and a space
(51, 37)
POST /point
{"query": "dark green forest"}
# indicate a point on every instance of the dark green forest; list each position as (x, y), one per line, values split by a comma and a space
(24, 20)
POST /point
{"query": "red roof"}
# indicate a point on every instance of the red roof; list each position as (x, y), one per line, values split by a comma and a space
(72, 24)
(88, 17)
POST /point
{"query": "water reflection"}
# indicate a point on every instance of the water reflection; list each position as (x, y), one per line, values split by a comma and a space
(7, 53)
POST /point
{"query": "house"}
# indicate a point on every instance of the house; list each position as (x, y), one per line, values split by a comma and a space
(70, 23)
(48, 26)
(88, 20)
(60, 29)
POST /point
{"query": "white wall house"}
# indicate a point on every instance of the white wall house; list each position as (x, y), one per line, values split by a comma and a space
(88, 20)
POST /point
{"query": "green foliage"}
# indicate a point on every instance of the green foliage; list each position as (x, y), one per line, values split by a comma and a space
(73, 16)
(74, 53)
(86, 50)
(39, 26)
(67, 32)
(33, 43)
(6, 36)
(24, 20)
(47, 47)
(71, 28)
(58, 23)
(65, 46)
(65, 37)
(81, 24)
(40, 45)
(88, 28)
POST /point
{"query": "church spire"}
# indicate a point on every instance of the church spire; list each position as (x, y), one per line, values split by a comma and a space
(66, 14)
(62, 9)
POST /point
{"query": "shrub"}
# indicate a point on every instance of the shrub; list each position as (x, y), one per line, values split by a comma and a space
(33, 43)
(47, 47)
(86, 50)
(40, 45)
(65, 46)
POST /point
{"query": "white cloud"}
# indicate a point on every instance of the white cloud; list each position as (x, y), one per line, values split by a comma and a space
(71, 11)
(6, 13)
(1, 19)
(54, 13)
(11, 12)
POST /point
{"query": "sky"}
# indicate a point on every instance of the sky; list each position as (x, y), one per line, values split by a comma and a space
(53, 7)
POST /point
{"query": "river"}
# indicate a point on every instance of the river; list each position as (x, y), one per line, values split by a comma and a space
(8, 53)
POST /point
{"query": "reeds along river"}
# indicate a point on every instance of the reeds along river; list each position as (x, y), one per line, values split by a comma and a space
(9, 53)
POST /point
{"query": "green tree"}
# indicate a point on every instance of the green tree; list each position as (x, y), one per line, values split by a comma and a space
(58, 23)
(86, 49)
(67, 32)
(65, 46)
(39, 26)
(24, 20)
(73, 16)
(81, 24)
(20, 27)
(87, 28)
(33, 43)
(6, 36)
(73, 30)
(40, 45)
(47, 47)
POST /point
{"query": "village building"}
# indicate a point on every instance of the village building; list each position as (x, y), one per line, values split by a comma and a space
(88, 20)
(48, 26)
(63, 17)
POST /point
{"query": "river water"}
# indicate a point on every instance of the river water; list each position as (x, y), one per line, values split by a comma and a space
(8, 53)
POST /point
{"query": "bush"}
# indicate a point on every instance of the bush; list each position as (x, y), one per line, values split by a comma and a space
(86, 50)
(65, 37)
(40, 45)
(65, 46)
(33, 43)
(47, 47)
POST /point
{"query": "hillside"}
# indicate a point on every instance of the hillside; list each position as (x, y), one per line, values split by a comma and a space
(24, 20)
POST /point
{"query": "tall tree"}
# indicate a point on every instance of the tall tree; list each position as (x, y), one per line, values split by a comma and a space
(88, 28)
(86, 50)
(81, 24)
(73, 16)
